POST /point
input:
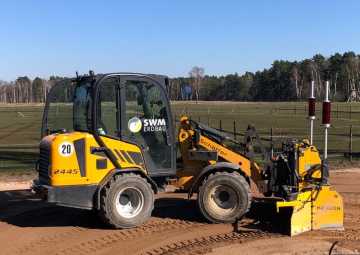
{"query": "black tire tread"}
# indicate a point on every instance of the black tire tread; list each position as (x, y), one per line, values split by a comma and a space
(236, 175)
(104, 214)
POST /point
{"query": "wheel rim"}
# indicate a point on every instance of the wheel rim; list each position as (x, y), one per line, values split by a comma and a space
(223, 200)
(129, 202)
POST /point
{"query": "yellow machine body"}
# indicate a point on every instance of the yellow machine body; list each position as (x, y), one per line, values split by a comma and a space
(315, 206)
(191, 167)
(80, 165)
(308, 156)
(77, 168)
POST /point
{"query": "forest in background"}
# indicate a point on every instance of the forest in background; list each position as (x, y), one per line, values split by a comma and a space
(283, 81)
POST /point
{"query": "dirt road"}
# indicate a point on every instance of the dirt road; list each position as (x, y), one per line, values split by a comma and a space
(28, 226)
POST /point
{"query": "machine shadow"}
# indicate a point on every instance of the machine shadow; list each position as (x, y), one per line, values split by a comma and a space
(177, 208)
(22, 208)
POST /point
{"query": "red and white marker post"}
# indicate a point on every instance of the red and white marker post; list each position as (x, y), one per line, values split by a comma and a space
(311, 111)
(326, 117)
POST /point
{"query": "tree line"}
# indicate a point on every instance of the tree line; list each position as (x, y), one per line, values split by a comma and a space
(283, 81)
(26, 91)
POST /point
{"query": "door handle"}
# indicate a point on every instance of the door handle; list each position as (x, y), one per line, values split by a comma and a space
(168, 140)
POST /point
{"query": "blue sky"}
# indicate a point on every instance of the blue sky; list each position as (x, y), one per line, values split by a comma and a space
(41, 38)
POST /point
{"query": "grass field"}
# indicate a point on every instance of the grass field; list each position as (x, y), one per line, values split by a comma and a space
(286, 119)
(20, 125)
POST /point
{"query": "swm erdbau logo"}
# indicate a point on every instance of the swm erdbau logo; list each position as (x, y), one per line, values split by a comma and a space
(136, 124)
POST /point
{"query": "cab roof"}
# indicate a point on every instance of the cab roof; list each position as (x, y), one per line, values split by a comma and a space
(162, 79)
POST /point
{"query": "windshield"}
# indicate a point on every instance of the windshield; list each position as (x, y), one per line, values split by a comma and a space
(68, 107)
(82, 107)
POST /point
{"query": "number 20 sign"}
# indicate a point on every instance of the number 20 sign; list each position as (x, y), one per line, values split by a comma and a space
(66, 149)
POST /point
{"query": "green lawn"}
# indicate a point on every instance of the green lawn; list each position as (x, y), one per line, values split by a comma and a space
(286, 120)
(20, 125)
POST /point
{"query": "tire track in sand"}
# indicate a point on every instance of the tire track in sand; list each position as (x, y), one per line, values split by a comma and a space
(203, 245)
(85, 241)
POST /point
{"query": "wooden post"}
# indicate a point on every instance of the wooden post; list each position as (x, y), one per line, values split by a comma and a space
(337, 111)
(350, 143)
(199, 119)
(350, 112)
(295, 110)
(234, 129)
(220, 125)
(271, 143)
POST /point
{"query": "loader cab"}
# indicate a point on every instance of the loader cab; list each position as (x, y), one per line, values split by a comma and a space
(133, 108)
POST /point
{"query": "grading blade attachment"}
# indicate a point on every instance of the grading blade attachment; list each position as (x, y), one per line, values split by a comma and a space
(320, 208)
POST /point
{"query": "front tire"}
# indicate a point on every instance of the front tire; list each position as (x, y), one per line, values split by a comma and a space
(126, 201)
(224, 197)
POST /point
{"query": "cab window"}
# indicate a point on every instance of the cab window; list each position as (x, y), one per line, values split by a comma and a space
(146, 120)
(107, 108)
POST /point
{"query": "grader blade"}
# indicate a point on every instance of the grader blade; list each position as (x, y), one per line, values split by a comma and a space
(327, 209)
(298, 212)
(321, 208)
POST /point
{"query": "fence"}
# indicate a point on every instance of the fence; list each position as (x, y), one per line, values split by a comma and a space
(276, 138)
(344, 135)
(20, 126)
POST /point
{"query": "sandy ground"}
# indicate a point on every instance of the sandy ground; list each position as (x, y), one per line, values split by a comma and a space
(29, 226)
(12, 185)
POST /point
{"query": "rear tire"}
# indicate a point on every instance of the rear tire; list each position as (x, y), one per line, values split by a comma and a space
(224, 197)
(126, 201)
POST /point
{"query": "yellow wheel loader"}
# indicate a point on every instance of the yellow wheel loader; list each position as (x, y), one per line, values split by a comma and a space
(109, 144)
